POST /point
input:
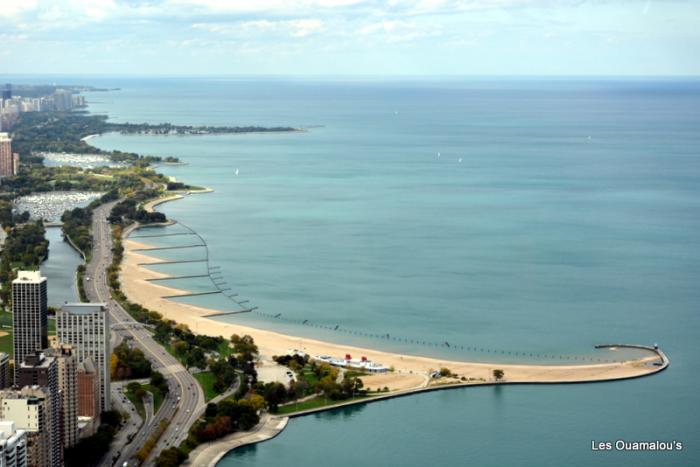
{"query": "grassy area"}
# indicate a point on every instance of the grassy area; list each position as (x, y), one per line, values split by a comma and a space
(157, 396)
(315, 403)
(309, 376)
(225, 349)
(5, 319)
(206, 380)
(138, 403)
(169, 348)
(6, 342)
(6, 327)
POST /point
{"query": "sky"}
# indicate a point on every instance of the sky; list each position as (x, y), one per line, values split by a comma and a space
(351, 37)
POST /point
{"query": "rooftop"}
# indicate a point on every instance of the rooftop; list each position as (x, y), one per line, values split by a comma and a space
(83, 308)
(8, 431)
(31, 277)
(36, 360)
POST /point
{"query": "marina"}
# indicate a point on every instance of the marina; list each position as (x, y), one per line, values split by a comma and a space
(50, 205)
(84, 161)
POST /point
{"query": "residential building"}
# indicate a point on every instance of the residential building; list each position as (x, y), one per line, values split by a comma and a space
(13, 445)
(68, 390)
(29, 409)
(38, 370)
(5, 377)
(88, 390)
(63, 100)
(7, 157)
(29, 315)
(86, 327)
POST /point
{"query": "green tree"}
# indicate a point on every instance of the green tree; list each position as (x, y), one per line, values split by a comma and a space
(171, 457)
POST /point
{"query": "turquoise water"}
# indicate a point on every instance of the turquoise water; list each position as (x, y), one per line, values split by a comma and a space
(572, 219)
(59, 269)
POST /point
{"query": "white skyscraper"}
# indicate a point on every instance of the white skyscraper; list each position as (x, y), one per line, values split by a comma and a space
(86, 327)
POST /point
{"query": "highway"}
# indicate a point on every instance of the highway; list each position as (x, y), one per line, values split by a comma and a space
(185, 400)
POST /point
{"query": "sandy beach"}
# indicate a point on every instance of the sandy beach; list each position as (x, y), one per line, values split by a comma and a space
(410, 371)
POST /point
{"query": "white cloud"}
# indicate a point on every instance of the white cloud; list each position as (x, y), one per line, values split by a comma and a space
(262, 6)
(294, 28)
(306, 27)
(399, 30)
(386, 26)
(11, 8)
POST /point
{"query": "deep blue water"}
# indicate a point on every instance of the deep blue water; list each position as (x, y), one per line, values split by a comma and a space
(571, 220)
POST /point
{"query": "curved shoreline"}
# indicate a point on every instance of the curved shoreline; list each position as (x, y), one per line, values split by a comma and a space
(411, 372)
(138, 287)
(210, 454)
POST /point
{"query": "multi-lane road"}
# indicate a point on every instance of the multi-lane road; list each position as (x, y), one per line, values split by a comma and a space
(185, 400)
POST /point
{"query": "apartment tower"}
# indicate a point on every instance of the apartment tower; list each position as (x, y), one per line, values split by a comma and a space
(29, 315)
(85, 326)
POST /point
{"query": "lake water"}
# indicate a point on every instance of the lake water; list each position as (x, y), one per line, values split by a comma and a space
(557, 215)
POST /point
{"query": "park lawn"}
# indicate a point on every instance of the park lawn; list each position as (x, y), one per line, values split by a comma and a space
(52, 326)
(225, 349)
(5, 319)
(138, 403)
(6, 342)
(179, 357)
(6, 327)
(157, 396)
(315, 403)
(206, 379)
(309, 376)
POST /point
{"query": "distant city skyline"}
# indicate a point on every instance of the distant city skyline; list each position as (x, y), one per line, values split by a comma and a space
(350, 37)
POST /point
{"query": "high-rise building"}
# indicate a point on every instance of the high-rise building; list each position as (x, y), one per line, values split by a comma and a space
(13, 445)
(63, 100)
(86, 327)
(7, 160)
(7, 92)
(5, 377)
(29, 315)
(88, 390)
(29, 409)
(38, 370)
(68, 390)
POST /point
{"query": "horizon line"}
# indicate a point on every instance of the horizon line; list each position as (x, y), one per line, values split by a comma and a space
(363, 76)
